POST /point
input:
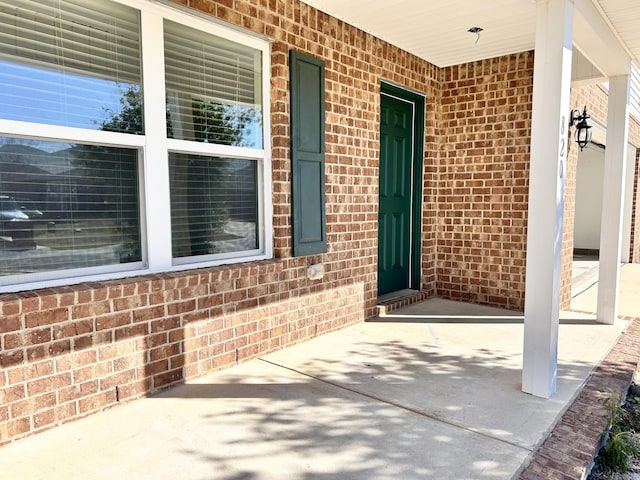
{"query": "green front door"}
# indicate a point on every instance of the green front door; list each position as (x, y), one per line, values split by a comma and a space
(395, 218)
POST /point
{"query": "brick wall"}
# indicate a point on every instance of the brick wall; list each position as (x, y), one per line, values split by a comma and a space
(67, 352)
(634, 247)
(70, 351)
(596, 98)
(571, 169)
(485, 131)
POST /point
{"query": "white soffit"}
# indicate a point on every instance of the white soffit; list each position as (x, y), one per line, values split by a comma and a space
(436, 30)
(595, 36)
(624, 17)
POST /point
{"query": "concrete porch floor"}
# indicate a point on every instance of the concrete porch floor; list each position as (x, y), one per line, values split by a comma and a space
(430, 391)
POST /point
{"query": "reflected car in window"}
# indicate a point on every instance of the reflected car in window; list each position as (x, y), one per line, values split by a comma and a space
(16, 228)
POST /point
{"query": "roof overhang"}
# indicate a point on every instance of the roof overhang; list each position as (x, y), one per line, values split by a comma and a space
(437, 30)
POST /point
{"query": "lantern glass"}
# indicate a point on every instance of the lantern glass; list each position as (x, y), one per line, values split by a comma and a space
(583, 134)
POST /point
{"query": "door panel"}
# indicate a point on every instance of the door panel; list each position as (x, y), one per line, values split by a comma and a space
(394, 225)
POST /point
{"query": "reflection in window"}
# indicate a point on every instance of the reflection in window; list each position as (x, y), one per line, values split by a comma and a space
(70, 197)
(67, 206)
(213, 205)
(68, 62)
(213, 88)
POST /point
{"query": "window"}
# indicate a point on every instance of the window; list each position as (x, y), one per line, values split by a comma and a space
(213, 205)
(212, 98)
(132, 139)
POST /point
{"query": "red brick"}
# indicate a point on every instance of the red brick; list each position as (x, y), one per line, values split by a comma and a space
(177, 362)
(209, 301)
(12, 394)
(66, 299)
(129, 303)
(59, 348)
(46, 317)
(107, 352)
(150, 313)
(155, 368)
(37, 336)
(24, 373)
(12, 341)
(78, 327)
(127, 362)
(96, 402)
(43, 419)
(39, 352)
(30, 302)
(107, 322)
(92, 371)
(28, 406)
(84, 342)
(137, 330)
(93, 309)
(181, 307)
(10, 323)
(75, 392)
(157, 339)
(11, 358)
(10, 307)
(164, 351)
(168, 378)
(47, 384)
(164, 324)
(14, 429)
(65, 412)
(134, 389)
(120, 378)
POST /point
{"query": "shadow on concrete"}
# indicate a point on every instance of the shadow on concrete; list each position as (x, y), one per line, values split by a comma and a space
(406, 399)
(380, 400)
(363, 423)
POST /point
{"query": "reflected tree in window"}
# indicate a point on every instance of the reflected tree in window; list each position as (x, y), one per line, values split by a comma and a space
(110, 176)
(130, 117)
(200, 207)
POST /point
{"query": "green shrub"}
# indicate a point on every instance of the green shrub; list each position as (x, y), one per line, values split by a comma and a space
(617, 451)
(621, 444)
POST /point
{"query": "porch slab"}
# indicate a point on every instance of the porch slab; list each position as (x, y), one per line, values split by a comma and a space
(430, 391)
(629, 292)
(457, 363)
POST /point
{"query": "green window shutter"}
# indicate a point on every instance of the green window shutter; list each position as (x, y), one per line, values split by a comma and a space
(307, 155)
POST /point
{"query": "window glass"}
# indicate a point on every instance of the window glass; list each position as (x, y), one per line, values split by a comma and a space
(213, 88)
(213, 205)
(67, 206)
(71, 198)
(71, 62)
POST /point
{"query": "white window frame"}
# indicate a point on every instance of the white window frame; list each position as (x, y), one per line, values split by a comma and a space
(153, 166)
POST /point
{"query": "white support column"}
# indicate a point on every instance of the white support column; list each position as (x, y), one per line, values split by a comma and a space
(615, 161)
(551, 92)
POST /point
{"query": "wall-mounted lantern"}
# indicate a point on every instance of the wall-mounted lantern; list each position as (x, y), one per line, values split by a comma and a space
(583, 129)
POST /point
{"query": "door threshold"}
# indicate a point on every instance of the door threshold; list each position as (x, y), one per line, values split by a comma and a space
(387, 297)
(401, 298)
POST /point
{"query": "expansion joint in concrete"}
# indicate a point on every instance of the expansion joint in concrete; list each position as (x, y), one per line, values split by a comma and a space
(415, 411)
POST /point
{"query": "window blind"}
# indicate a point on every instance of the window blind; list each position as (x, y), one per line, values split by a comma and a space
(68, 62)
(67, 206)
(213, 88)
(214, 205)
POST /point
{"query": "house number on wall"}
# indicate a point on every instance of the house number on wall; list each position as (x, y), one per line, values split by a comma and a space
(563, 146)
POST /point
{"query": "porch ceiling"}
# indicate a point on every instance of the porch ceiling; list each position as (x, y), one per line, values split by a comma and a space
(437, 30)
